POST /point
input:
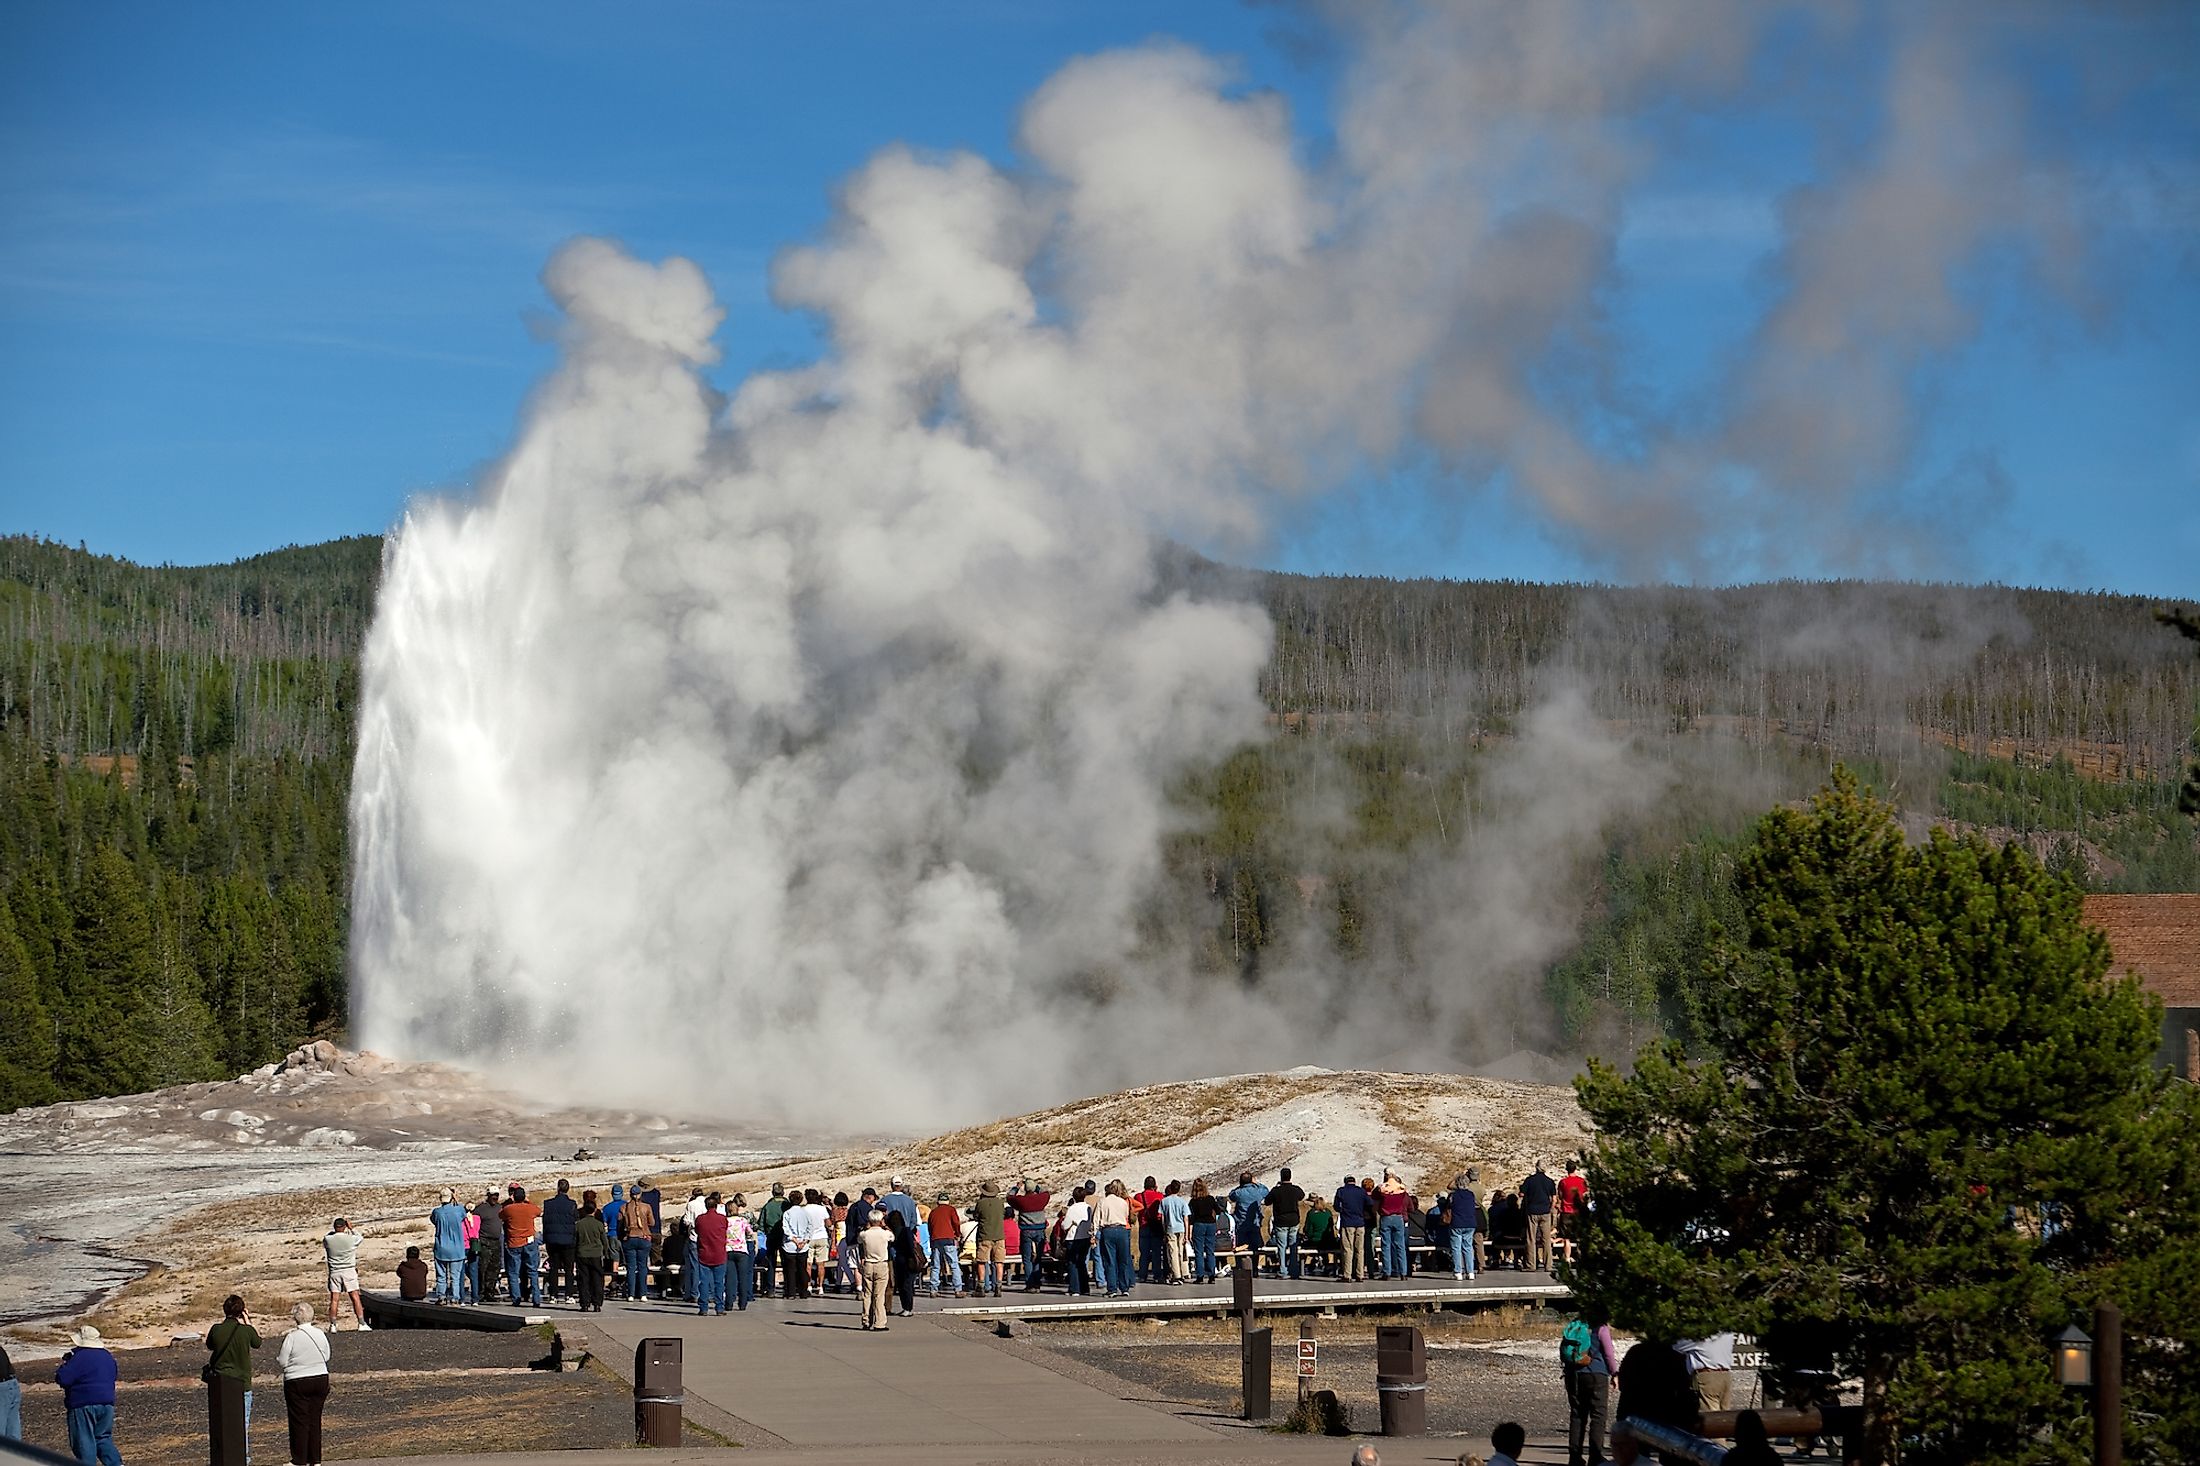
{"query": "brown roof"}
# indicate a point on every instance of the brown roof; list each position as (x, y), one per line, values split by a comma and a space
(2157, 937)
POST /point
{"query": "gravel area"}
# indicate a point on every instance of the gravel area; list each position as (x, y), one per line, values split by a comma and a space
(394, 1393)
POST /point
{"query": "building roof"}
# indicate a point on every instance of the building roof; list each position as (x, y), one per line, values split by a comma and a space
(2158, 937)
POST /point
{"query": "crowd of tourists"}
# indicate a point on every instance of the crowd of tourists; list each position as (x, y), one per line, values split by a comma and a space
(721, 1250)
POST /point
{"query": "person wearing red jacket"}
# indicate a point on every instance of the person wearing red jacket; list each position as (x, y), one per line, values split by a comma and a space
(710, 1228)
(1027, 1207)
(945, 1227)
(1153, 1243)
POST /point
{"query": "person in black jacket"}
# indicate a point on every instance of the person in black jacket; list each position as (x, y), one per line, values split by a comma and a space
(560, 1239)
(1285, 1198)
(1537, 1194)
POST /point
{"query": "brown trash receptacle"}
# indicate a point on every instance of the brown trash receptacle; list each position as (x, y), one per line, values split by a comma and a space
(1401, 1380)
(657, 1393)
(225, 1445)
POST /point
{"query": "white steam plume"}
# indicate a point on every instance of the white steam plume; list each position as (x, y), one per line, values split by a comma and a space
(754, 747)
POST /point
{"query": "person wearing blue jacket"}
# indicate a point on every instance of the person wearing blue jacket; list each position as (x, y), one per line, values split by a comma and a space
(449, 1221)
(1466, 1219)
(561, 1238)
(611, 1225)
(87, 1380)
(1352, 1223)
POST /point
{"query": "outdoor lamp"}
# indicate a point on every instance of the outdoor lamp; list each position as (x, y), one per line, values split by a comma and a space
(2073, 1358)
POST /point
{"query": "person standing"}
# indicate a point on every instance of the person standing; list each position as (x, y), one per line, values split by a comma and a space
(87, 1380)
(522, 1249)
(488, 1247)
(636, 1222)
(1589, 1368)
(1466, 1217)
(944, 1227)
(1205, 1211)
(1029, 1202)
(741, 1245)
(1537, 1195)
(1153, 1245)
(591, 1252)
(1710, 1368)
(611, 1212)
(341, 1248)
(449, 1221)
(1245, 1204)
(875, 1264)
(229, 1346)
(1394, 1202)
(794, 1246)
(303, 1358)
(991, 1257)
(11, 1399)
(1284, 1201)
(1350, 1204)
(909, 1258)
(1077, 1237)
(689, 1261)
(1112, 1222)
(559, 1214)
(1176, 1229)
(771, 1221)
(710, 1231)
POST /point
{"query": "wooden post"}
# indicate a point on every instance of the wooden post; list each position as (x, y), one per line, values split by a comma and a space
(2108, 1385)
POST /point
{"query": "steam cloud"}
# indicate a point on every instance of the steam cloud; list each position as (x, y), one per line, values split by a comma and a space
(763, 746)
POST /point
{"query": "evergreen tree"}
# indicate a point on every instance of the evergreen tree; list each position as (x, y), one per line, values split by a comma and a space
(100, 1044)
(1907, 1051)
(28, 1048)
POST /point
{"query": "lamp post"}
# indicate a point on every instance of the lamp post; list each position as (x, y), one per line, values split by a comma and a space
(2097, 1362)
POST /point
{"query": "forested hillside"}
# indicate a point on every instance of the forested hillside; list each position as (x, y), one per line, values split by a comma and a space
(175, 746)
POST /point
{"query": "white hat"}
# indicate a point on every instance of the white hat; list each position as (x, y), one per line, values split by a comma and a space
(86, 1337)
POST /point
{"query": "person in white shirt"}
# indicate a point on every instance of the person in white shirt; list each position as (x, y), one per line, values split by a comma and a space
(1077, 1237)
(303, 1359)
(1710, 1368)
(796, 1225)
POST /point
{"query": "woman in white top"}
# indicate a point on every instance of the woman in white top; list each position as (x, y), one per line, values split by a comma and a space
(304, 1361)
(1077, 1238)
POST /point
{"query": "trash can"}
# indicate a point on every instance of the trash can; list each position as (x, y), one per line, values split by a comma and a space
(1401, 1380)
(657, 1394)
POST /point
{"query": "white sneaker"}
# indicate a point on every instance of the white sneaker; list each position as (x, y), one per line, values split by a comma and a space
(365, 1327)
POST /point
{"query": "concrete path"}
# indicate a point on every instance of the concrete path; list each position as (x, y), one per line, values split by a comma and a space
(807, 1373)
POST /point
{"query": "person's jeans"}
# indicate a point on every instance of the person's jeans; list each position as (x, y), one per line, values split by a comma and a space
(92, 1435)
(1394, 1247)
(1203, 1252)
(710, 1286)
(1462, 1251)
(1031, 1242)
(1115, 1253)
(523, 1268)
(744, 1277)
(1153, 1264)
(637, 1267)
(690, 1264)
(11, 1409)
(947, 1266)
(1287, 1251)
(1076, 1251)
(449, 1278)
(469, 1279)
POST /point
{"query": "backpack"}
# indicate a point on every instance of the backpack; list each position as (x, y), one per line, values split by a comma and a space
(1574, 1344)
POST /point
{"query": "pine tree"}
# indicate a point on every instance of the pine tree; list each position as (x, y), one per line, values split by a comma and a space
(1909, 1049)
(28, 1048)
(100, 1053)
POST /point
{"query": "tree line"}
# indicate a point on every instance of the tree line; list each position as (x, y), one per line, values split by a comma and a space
(176, 746)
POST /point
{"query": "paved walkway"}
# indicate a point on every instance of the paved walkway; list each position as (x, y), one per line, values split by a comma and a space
(807, 1373)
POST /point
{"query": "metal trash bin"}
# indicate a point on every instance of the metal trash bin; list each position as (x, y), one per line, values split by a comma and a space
(657, 1393)
(1401, 1380)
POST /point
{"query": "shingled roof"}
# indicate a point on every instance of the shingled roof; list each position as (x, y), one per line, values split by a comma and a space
(2157, 937)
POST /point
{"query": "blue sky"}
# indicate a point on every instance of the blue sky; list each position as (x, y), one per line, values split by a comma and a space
(267, 270)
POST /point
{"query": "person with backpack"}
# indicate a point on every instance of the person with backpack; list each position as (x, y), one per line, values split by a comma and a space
(1587, 1360)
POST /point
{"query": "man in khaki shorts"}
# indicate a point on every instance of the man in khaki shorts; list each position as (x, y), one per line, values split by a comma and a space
(341, 1246)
